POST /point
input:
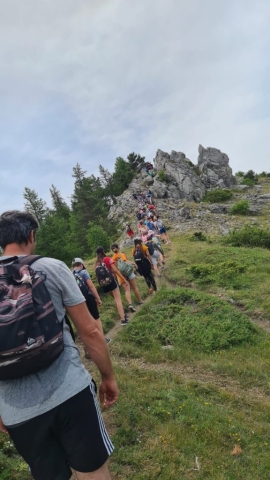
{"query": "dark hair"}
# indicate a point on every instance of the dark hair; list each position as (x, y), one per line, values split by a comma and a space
(16, 226)
(100, 254)
(137, 241)
(114, 245)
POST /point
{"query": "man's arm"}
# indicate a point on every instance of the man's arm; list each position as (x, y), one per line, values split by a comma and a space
(96, 345)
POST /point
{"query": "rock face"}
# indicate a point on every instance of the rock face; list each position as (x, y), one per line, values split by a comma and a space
(214, 168)
(181, 176)
(177, 179)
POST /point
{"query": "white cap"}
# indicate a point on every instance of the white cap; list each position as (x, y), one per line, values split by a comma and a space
(77, 260)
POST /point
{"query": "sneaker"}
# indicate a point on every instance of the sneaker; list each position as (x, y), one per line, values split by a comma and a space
(150, 291)
(124, 322)
(131, 308)
(141, 303)
(108, 340)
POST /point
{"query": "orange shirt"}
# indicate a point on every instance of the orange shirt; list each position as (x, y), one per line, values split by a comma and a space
(144, 249)
(116, 257)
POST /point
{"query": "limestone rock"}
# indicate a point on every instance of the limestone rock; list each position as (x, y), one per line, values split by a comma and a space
(184, 212)
(185, 183)
(214, 168)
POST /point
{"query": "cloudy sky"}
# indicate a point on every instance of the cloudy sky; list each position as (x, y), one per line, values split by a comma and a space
(89, 80)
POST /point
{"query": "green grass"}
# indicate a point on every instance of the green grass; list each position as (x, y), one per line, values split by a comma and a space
(166, 422)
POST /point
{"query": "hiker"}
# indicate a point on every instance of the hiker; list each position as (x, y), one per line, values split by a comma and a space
(128, 273)
(129, 231)
(47, 398)
(144, 262)
(143, 230)
(162, 230)
(105, 272)
(149, 196)
(89, 292)
(134, 196)
(154, 253)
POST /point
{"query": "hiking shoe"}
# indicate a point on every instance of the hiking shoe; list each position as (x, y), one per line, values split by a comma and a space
(108, 340)
(131, 308)
(124, 322)
(150, 291)
(141, 303)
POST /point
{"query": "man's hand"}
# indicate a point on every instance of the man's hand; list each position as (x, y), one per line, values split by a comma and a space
(2, 426)
(108, 393)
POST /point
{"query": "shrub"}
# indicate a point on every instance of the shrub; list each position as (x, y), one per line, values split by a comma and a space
(216, 196)
(96, 237)
(198, 237)
(223, 273)
(189, 319)
(249, 236)
(248, 182)
(162, 176)
(240, 208)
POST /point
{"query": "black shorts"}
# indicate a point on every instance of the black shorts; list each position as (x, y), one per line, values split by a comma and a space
(112, 286)
(70, 435)
(92, 306)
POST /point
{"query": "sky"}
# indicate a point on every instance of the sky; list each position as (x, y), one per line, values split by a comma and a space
(87, 81)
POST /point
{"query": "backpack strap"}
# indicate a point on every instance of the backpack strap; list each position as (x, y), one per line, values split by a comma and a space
(28, 259)
(8, 260)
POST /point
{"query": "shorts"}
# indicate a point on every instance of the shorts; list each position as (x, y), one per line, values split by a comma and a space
(71, 435)
(92, 306)
(154, 260)
(131, 276)
(162, 230)
(109, 288)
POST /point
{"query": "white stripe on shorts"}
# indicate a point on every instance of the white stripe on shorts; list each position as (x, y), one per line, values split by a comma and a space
(106, 439)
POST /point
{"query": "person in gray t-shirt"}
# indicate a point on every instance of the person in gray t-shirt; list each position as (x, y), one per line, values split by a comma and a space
(35, 408)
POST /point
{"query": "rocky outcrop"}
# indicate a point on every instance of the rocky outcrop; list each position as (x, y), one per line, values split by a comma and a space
(181, 179)
(214, 168)
(177, 179)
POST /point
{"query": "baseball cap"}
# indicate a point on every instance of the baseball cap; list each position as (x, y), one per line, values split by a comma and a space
(77, 260)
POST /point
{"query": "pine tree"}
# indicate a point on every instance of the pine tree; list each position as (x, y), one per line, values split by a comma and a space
(35, 204)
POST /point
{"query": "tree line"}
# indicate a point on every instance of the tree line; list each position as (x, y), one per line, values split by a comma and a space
(77, 229)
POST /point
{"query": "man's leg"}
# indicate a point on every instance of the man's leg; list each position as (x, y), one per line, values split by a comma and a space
(100, 474)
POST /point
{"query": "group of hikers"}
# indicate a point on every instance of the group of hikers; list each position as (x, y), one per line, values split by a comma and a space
(48, 402)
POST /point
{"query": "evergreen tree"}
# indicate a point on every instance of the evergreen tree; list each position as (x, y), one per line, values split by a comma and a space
(35, 204)
(135, 160)
(122, 176)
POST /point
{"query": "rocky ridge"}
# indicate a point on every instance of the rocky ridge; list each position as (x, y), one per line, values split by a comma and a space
(178, 198)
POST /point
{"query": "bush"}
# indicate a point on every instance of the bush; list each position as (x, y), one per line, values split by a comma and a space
(96, 237)
(240, 208)
(249, 236)
(189, 319)
(248, 182)
(223, 273)
(162, 176)
(216, 196)
(198, 237)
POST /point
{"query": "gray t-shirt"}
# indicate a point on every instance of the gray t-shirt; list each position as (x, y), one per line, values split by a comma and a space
(27, 397)
(83, 275)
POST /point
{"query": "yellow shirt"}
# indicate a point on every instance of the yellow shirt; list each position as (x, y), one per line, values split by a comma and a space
(116, 257)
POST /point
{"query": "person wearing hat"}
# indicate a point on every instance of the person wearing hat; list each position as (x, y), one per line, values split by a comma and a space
(113, 288)
(89, 291)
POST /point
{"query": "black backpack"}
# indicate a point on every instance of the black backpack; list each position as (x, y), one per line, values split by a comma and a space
(103, 274)
(151, 247)
(31, 336)
(81, 284)
(138, 255)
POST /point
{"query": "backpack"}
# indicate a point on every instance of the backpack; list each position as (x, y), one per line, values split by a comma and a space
(103, 274)
(124, 267)
(31, 336)
(81, 284)
(151, 247)
(138, 255)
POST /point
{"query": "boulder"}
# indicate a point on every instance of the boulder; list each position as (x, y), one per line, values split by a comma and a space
(185, 183)
(184, 212)
(214, 168)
